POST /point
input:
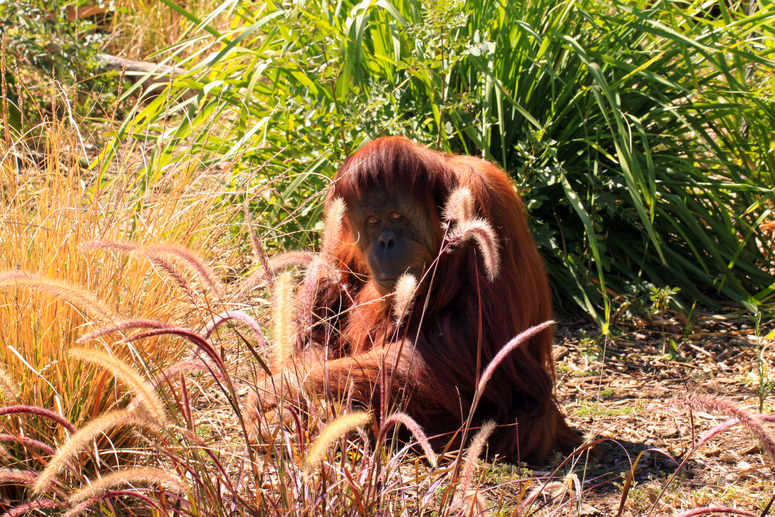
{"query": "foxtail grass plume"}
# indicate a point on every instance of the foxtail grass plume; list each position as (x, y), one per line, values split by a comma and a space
(98, 245)
(92, 430)
(8, 388)
(403, 296)
(284, 323)
(512, 345)
(227, 316)
(71, 294)
(333, 229)
(126, 374)
(486, 241)
(142, 476)
(459, 207)
(184, 256)
(332, 432)
(308, 294)
(414, 428)
(121, 326)
(258, 249)
(473, 454)
(276, 263)
(748, 420)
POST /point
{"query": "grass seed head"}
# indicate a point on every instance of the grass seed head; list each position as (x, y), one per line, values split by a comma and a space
(332, 432)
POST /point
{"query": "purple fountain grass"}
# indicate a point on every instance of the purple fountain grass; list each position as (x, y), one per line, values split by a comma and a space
(335, 430)
(291, 258)
(333, 230)
(139, 323)
(38, 504)
(136, 383)
(276, 263)
(473, 454)
(414, 428)
(403, 297)
(143, 475)
(185, 367)
(307, 296)
(194, 264)
(226, 316)
(91, 430)
(486, 241)
(718, 509)
(8, 388)
(187, 257)
(512, 345)
(86, 505)
(28, 478)
(459, 207)
(108, 245)
(27, 442)
(73, 295)
(187, 334)
(173, 274)
(37, 411)
(752, 422)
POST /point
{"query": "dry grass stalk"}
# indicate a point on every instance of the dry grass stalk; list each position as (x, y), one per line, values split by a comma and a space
(92, 430)
(332, 432)
(133, 380)
(144, 476)
(284, 323)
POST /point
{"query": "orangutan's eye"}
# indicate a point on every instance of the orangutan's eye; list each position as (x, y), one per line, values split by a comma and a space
(372, 220)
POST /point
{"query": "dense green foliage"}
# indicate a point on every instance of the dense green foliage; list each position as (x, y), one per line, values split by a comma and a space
(640, 133)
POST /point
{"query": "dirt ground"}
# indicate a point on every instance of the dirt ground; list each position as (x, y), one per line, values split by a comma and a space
(625, 390)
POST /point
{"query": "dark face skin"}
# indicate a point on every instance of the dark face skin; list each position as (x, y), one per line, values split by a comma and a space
(395, 234)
